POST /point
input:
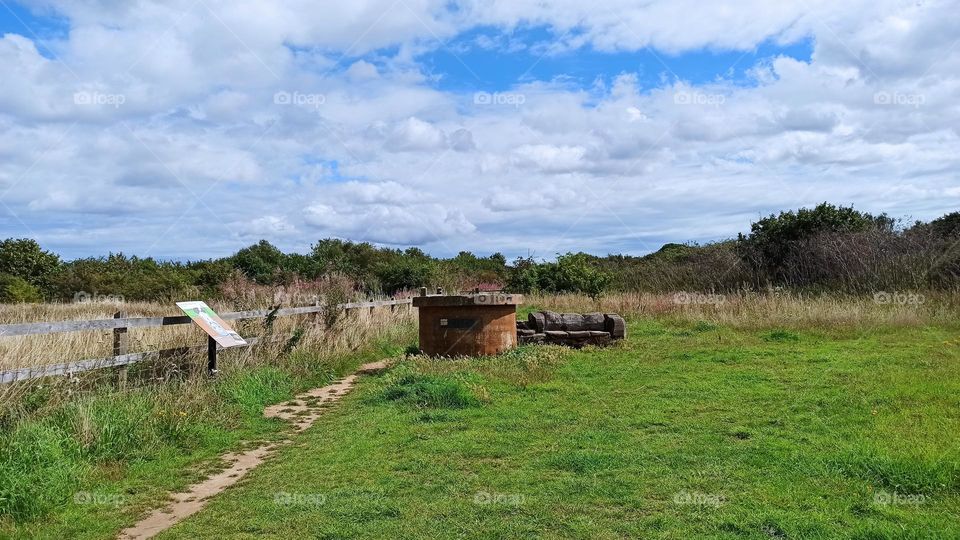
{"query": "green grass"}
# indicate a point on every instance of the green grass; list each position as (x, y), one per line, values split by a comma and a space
(406, 385)
(686, 431)
(90, 466)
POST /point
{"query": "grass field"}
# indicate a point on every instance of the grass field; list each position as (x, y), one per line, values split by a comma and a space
(688, 430)
(762, 417)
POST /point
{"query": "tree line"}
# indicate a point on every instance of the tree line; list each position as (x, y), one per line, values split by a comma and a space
(825, 248)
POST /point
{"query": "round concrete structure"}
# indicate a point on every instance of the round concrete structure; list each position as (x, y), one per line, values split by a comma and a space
(468, 325)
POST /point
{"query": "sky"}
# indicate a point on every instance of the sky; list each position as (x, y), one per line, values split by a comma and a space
(189, 129)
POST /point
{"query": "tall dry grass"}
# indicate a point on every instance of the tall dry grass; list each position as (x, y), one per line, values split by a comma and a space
(31, 351)
(774, 309)
(324, 336)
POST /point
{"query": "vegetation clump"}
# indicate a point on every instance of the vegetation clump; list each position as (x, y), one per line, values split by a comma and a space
(824, 248)
(406, 385)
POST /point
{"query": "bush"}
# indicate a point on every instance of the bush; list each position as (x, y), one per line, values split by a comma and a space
(715, 267)
(261, 262)
(406, 273)
(23, 258)
(947, 226)
(131, 278)
(16, 290)
(774, 240)
(571, 273)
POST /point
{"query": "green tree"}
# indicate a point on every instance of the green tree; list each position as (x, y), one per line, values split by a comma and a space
(24, 258)
(356, 260)
(406, 273)
(133, 278)
(261, 262)
(575, 272)
(523, 276)
(208, 276)
(571, 273)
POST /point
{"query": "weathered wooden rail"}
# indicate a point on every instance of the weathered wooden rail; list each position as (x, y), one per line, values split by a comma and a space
(120, 326)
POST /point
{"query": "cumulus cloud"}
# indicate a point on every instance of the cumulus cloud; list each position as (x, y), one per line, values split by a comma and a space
(268, 227)
(414, 134)
(389, 223)
(149, 124)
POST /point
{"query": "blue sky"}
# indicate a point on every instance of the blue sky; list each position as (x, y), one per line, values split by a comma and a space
(18, 19)
(184, 130)
(523, 56)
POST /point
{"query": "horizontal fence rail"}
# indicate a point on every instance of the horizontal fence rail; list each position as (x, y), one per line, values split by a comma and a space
(71, 368)
(31, 329)
(120, 326)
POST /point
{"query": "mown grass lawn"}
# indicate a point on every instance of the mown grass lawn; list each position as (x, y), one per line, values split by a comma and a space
(684, 431)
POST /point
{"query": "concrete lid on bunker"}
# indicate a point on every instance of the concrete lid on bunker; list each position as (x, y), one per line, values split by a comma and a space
(480, 299)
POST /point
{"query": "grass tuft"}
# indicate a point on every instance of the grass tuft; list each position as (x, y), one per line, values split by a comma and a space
(704, 326)
(782, 336)
(404, 384)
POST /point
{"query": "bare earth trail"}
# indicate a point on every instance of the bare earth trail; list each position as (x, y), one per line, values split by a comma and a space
(302, 410)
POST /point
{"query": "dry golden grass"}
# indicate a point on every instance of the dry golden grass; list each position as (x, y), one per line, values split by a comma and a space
(752, 310)
(31, 351)
(352, 331)
(744, 310)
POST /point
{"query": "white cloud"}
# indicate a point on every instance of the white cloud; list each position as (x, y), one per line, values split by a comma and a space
(268, 227)
(550, 158)
(414, 134)
(362, 71)
(381, 154)
(389, 223)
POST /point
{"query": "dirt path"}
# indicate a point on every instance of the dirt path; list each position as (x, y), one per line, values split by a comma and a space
(303, 411)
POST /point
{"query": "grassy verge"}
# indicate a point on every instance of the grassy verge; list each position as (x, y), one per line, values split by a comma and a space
(688, 430)
(88, 464)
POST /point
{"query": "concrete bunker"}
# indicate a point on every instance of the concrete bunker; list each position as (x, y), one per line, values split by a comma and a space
(481, 324)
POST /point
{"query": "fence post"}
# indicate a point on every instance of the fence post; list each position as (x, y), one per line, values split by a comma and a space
(211, 356)
(121, 340)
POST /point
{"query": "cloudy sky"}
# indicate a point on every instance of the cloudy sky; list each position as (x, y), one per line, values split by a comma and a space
(187, 129)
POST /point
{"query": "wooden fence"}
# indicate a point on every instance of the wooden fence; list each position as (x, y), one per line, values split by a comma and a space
(120, 326)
